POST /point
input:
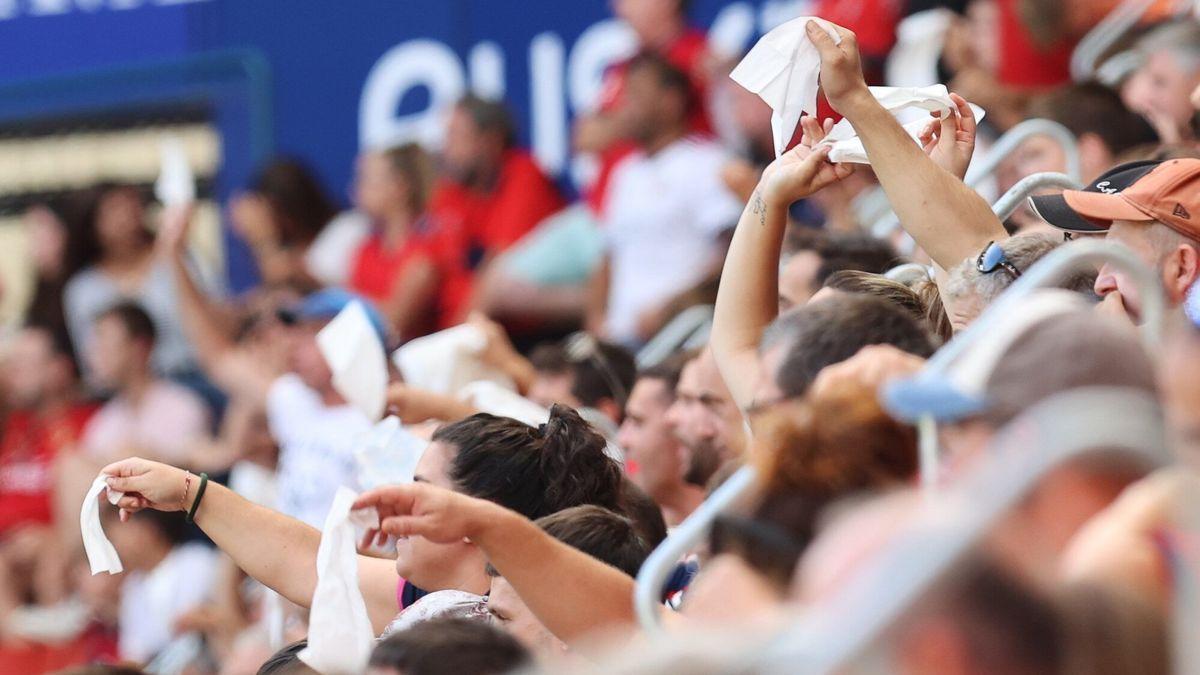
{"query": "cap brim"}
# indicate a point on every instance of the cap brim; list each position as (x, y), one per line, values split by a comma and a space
(1055, 210)
(908, 400)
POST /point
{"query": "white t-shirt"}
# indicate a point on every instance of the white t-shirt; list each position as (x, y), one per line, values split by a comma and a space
(316, 448)
(661, 222)
(152, 601)
(163, 424)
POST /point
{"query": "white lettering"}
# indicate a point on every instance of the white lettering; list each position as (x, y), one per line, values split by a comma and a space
(49, 7)
(601, 45)
(415, 63)
(731, 30)
(548, 112)
(486, 67)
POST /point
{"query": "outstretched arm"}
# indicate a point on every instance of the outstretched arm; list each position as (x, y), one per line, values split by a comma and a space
(748, 298)
(552, 578)
(279, 551)
(948, 219)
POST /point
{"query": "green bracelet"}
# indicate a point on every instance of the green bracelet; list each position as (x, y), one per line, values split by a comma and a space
(199, 495)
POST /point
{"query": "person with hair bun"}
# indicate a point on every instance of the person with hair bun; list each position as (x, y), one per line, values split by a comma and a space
(533, 471)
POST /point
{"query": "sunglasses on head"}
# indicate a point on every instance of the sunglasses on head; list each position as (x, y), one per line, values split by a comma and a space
(993, 258)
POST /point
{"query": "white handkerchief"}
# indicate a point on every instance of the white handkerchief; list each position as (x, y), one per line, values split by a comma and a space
(782, 68)
(909, 105)
(357, 360)
(388, 455)
(447, 361)
(495, 400)
(176, 185)
(100, 552)
(339, 631)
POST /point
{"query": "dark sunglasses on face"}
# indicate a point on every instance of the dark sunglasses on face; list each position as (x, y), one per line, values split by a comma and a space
(993, 258)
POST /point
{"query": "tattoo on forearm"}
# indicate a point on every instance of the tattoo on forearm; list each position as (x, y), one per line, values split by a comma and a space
(759, 208)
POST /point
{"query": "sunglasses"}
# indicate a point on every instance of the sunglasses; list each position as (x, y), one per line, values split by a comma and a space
(992, 258)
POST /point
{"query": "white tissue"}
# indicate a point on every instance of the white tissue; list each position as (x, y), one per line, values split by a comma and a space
(357, 359)
(339, 631)
(176, 186)
(447, 361)
(782, 68)
(100, 552)
(909, 105)
(490, 398)
(388, 455)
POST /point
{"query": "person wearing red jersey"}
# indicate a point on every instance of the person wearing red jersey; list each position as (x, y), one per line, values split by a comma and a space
(491, 193)
(44, 420)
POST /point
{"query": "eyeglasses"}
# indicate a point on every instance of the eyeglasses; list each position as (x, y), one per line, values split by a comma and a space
(993, 258)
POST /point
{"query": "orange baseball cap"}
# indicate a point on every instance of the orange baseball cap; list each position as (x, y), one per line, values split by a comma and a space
(1164, 191)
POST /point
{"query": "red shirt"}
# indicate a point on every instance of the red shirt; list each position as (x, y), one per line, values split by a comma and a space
(376, 269)
(475, 225)
(685, 53)
(1025, 64)
(28, 449)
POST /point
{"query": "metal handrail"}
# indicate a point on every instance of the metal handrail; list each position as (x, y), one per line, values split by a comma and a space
(1054, 268)
(1101, 38)
(647, 595)
(675, 334)
(1012, 200)
(1070, 425)
(1014, 137)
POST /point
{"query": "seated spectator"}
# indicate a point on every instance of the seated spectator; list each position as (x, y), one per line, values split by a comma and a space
(665, 209)
(146, 415)
(1159, 89)
(655, 457)
(1147, 207)
(1102, 125)
(706, 420)
(126, 268)
(165, 578)
(279, 216)
(661, 28)
(602, 534)
(490, 194)
(44, 420)
(811, 257)
(448, 647)
(533, 471)
(583, 372)
(395, 267)
(975, 284)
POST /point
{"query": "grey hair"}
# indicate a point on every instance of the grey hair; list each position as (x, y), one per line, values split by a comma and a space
(1180, 38)
(1023, 251)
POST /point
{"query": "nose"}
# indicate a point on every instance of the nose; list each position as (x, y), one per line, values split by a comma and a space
(623, 436)
(1106, 282)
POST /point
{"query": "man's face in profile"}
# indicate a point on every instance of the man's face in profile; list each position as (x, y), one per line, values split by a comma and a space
(705, 419)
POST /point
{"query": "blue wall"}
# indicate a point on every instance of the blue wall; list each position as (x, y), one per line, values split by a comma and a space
(326, 57)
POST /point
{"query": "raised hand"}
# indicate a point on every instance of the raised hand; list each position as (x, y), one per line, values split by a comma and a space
(841, 68)
(950, 140)
(148, 485)
(423, 510)
(803, 170)
(173, 227)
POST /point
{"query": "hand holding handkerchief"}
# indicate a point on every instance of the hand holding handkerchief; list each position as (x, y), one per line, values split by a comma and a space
(100, 552)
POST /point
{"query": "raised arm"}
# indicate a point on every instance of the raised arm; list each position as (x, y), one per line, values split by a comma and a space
(948, 219)
(552, 578)
(748, 298)
(278, 551)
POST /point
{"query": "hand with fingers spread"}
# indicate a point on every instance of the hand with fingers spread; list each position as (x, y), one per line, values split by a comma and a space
(950, 139)
(842, 78)
(803, 170)
(422, 510)
(148, 485)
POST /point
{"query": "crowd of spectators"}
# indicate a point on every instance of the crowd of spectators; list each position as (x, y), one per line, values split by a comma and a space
(516, 545)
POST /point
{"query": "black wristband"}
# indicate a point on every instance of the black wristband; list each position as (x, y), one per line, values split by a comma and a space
(199, 495)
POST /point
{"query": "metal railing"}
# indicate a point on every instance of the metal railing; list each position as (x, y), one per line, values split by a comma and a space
(1007, 144)
(1054, 268)
(1086, 58)
(679, 332)
(1012, 200)
(1067, 426)
(647, 597)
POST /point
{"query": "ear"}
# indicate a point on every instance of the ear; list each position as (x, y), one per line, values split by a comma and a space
(1181, 272)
